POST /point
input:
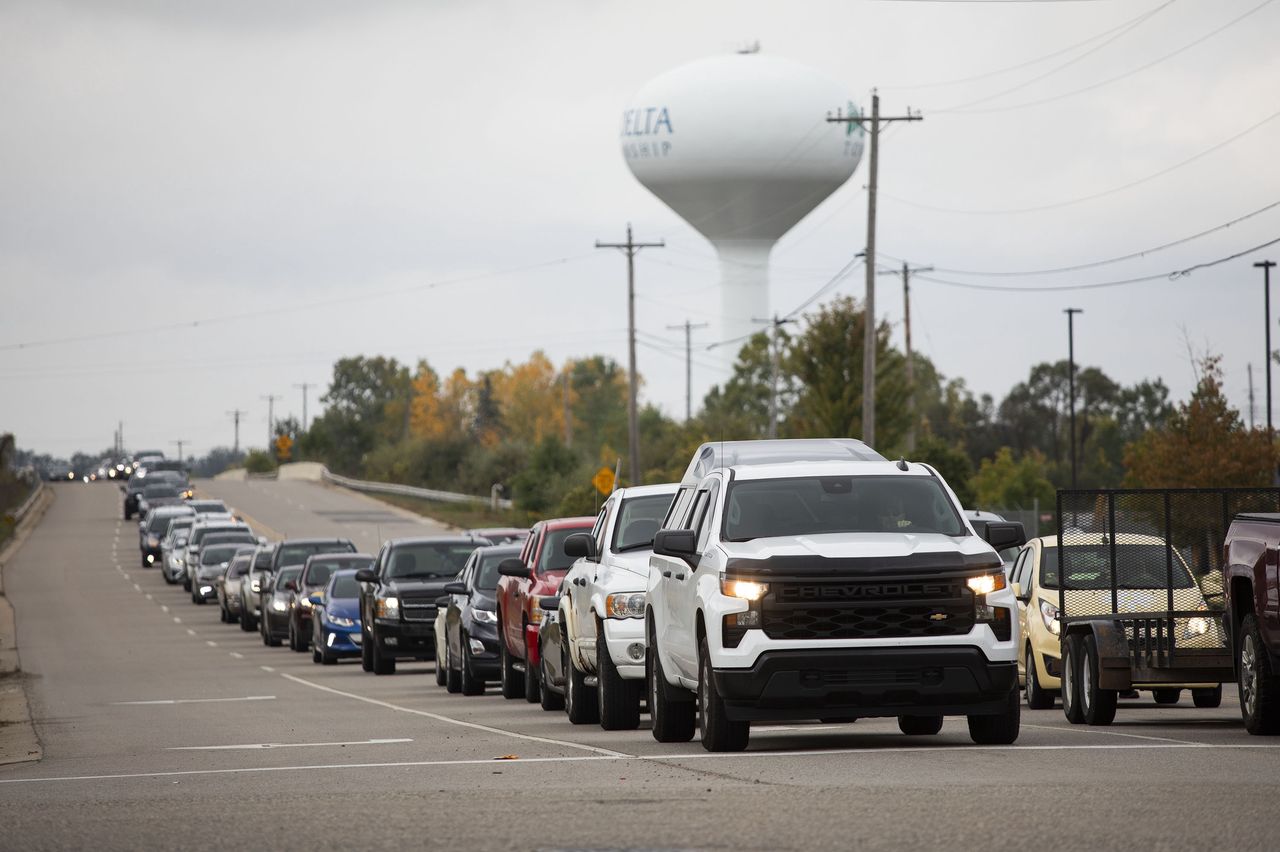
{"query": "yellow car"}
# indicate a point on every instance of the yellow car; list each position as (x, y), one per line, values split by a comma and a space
(1143, 587)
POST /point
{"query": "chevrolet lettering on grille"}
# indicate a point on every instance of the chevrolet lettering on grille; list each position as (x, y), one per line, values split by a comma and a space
(864, 591)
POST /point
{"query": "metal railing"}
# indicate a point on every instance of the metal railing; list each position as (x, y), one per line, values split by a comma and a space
(412, 491)
(27, 504)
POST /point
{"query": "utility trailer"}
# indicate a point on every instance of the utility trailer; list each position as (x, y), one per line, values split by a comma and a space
(1140, 593)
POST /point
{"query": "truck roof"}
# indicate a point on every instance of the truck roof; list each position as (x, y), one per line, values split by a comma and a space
(719, 454)
(787, 469)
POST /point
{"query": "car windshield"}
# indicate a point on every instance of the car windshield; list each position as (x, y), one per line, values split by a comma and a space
(296, 554)
(159, 491)
(487, 575)
(814, 505)
(346, 586)
(553, 557)
(638, 521)
(262, 562)
(214, 554)
(240, 566)
(1140, 566)
(176, 525)
(286, 575)
(321, 570)
(438, 559)
(159, 524)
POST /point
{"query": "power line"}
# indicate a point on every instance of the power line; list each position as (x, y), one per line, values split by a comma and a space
(1094, 264)
(1067, 203)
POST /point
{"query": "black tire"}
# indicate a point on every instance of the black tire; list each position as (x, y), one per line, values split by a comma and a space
(302, 639)
(471, 685)
(247, 623)
(452, 676)
(618, 698)
(532, 683)
(1071, 679)
(169, 581)
(292, 639)
(1207, 698)
(1259, 686)
(1167, 696)
(920, 726)
(366, 653)
(315, 655)
(222, 614)
(674, 716)
(580, 702)
(1001, 728)
(512, 680)
(382, 664)
(1097, 704)
(1038, 698)
(548, 699)
(719, 732)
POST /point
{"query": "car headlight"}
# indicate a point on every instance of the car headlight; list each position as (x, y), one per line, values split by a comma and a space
(339, 621)
(256, 586)
(484, 616)
(305, 603)
(279, 605)
(1049, 613)
(985, 584)
(747, 590)
(624, 605)
(386, 607)
(536, 614)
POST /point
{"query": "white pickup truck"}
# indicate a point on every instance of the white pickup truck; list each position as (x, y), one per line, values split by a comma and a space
(602, 607)
(831, 589)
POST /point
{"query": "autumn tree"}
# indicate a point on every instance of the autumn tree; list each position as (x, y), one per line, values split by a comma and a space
(531, 397)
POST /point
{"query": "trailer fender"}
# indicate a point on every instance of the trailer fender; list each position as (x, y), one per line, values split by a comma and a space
(1114, 665)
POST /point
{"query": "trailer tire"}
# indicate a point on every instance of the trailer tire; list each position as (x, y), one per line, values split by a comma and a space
(1098, 705)
(1167, 696)
(1071, 679)
(1207, 698)
(1259, 686)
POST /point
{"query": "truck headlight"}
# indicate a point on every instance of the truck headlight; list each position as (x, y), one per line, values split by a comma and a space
(1049, 614)
(386, 607)
(624, 605)
(279, 605)
(747, 590)
(305, 603)
(536, 614)
(985, 584)
(484, 616)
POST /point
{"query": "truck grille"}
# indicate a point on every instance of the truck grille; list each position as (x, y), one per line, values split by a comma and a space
(418, 609)
(872, 610)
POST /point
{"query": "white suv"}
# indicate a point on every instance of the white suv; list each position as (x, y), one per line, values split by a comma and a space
(831, 590)
(603, 595)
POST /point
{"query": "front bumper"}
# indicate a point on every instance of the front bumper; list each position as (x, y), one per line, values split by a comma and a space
(621, 636)
(406, 639)
(205, 589)
(340, 641)
(792, 685)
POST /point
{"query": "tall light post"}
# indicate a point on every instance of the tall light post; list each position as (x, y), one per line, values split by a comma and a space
(1071, 382)
(1265, 266)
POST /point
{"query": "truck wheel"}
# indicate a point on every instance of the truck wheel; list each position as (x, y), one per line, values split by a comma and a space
(382, 663)
(917, 726)
(673, 715)
(1097, 704)
(619, 699)
(1207, 698)
(1071, 679)
(471, 685)
(548, 698)
(366, 652)
(512, 681)
(1259, 686)
(580, 701)
(1167, 696)
(247, 624)
(719, 732)
(1038, 698)
(1001, 728)
(531, 682)
(452, 676)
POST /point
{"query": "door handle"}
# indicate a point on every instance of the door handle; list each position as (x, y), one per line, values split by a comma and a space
(667, 574)
(680, 577)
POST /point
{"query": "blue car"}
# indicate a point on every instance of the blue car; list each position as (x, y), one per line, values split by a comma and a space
(335, 625)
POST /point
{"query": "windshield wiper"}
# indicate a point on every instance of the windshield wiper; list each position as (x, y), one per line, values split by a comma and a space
(639, 545)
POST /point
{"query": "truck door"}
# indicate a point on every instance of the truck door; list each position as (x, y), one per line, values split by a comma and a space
(684, 584)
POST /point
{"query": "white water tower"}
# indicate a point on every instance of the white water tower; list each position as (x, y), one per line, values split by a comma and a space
(739, 146)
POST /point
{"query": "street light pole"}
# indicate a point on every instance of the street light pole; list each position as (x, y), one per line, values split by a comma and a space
(1071, 383)
(1265, 266)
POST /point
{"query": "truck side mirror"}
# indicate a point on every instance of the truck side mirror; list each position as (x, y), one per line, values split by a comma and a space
(1002, 534)
(580, 546)
(551, 603)
(367, 575)
(455, 589)
(1016, 588)
(514, 568)
(682, 544)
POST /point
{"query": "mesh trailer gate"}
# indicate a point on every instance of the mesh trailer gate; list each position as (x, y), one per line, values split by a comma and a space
(1140, 592)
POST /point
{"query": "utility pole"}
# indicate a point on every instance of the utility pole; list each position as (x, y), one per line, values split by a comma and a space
(1071, 382)
(774, 356)
(180, 444)
(235, 415)
(688, 363)
(869, 322)
(271, 418)
(304, 386)
(1265, 266)
(907, 272)
(1252, 405)
(630, 247)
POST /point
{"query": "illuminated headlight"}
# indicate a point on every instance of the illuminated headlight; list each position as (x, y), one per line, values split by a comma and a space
(625, 605)
(72, 476)
(1049, 614)
(386, 608)
(279, 605)
(339, 621)
(150, 558)
(305, 603)
(985, 584)
(204, 590)
(1197, 627)
(484, 616)
(747, 590)
(536, 615)
(256, 586)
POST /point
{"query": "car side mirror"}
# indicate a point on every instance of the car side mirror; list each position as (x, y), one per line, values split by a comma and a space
(1002, 534)
(262, 541)
(550, 603)
(456, 589)
(442, 602)
(514, 568)
(682, 544)
(316, 600)
(1016, 588)
(580, 546)
(290, 586)
(367, 575)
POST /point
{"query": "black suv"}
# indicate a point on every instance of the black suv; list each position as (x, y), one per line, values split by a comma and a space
(133, 490)
(398, 597)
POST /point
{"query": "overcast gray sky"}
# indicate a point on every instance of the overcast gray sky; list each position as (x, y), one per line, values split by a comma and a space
(327, 171)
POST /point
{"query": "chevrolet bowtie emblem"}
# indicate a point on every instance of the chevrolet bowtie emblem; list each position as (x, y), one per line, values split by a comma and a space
(939, 616)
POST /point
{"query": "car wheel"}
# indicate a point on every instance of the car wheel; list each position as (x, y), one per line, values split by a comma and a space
(1097, 704)
(673, 716)
(442, 678)
(1000, 728)
(452, 676)
(247, 624)
(579, 699)
(918, 726)
(366, 652)
(512, 680)
(1071, 679)
(1038, 698)
(719, 732)
(383, 664)
(315, 655)
(471, 685)
(532, 683)
(619, 699)
(1259, 686)
(548, 698)
(1207, 698)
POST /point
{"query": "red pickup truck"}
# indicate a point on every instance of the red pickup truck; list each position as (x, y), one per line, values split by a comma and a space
(524, 582)
(1251, 584)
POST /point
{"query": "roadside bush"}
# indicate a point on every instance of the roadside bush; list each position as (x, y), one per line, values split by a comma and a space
(259, 462)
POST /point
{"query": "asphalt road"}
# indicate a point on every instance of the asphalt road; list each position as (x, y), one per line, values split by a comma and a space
(163, 728)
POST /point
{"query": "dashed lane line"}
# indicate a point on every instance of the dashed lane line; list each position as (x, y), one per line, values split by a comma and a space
(251, 746)
(451, 721)
(237, 655)
(198, 700)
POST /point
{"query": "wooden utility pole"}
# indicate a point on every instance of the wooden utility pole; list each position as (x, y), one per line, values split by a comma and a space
(1265, 266)
(304, 386)
(235, 416)
(872, 127)
(907, 272)
(1071, 382)
(688, 363)
(180, 444)
(1252, 405)
(271, 418)
(630, 248)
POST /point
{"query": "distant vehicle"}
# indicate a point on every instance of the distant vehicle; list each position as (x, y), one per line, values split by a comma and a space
(62, 473)
(229, 586)
(467, 650)
(315, 575)
(134, 487)
(173, 548)
(336, 619)
(274, 601)
(500, 535)
(398, 597)
(157, 495)
(251, 587)
(215, 558)
(238, 534)
(536, 573)
(1252, 586)
(209, 507)
(153, 529)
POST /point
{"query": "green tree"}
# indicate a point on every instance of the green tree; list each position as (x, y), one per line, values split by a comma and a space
(367, 403)
(1004, 482)
(949, 460)
(599, 398)
(552, 470)
(740, 409)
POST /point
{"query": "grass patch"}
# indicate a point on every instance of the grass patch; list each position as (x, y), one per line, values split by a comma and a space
(464, 515)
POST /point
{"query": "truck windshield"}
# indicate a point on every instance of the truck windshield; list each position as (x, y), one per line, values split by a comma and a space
(1141, 566)
(296, 554)
(437, 559)
(816, 505)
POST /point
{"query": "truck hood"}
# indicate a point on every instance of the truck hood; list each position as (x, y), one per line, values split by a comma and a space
(872, 554)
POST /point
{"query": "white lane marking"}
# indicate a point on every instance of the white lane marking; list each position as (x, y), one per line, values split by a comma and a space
(773, 728)
(211, 643)
(190, 632)
(149, 597)
(286, 745)
(591, 758)
(200, 700)
(266, 668)
(164, 608)
(177, 620)
(137, 587)
(126, 576)
(451, 721)
(237, 655)
(1082, 729)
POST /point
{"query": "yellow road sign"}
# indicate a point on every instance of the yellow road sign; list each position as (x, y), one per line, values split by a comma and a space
(603, 481)
(284, 447)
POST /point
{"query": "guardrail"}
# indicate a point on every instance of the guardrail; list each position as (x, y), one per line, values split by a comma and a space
(28, 503)
(412, 491)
